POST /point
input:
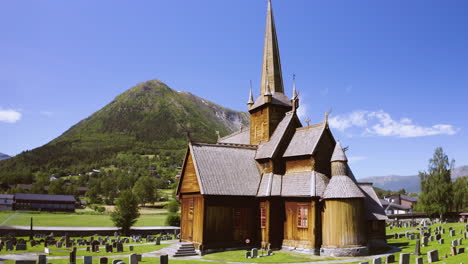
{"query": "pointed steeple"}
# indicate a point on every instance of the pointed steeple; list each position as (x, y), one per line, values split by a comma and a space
(271, 67)
(294, 93)
(251, 99)
(338, 153)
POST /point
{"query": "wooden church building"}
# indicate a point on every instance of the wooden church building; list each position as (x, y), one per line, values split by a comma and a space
(277, 183)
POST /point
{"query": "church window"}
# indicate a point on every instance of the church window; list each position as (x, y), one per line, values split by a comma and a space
(302, 216)
(262, 217)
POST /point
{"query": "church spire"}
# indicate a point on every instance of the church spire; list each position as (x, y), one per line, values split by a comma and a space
(251, 99)
(271, 67)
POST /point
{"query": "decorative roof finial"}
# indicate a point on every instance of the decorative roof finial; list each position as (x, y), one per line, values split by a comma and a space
(294, 93)
(268, 90)
(308, 121)
(251, 100)
(326, 116)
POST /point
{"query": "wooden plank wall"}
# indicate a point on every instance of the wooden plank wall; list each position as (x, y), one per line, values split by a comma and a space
(344, 224)
(376, 230)
(189, 177)
(221, 230)
(300, 165)
(295, 236)
(192, 220)
(265, 231)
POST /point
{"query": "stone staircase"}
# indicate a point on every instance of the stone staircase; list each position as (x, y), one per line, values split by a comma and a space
(179, 250)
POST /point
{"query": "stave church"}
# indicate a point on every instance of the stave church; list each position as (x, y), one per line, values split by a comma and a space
(277, 184)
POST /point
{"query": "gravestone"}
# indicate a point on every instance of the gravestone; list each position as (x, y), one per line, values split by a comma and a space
(42, 259)
(131, 248)
(419, 260)
(365, 262)
(59, 244)
(432, 256)
(377, 261)
(25, 262)
(72, 257)
(158, 240)
(164, 259)
(453, 251)
(248, 254)
(460, 241)
(404, 258)
(88, 249)
(438, 237)
(103, 260)
(109, 248)
(9, 245)
(132, 259)
(441, 241)
(431, 238)
(454, 243)
(395, 236)
(115, 261)
(96, 248)
(254, 253)
(88, 260)
(33, 243)
(461, 250)
(21, 247)
(412, 237)
(452, 233)
(417, 248)
(139, 257)
(424, 241)
(119, 247)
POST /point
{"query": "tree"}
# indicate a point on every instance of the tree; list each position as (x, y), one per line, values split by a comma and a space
(56, 187)
(126, 211)
(460, 195)
(145, 190)
(436, 186)
(173, 206)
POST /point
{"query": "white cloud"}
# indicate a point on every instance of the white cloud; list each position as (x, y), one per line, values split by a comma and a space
(380, 123)
(354, 159)
(9, 116)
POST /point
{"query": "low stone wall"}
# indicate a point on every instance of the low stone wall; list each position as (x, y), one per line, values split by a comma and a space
(85, 231)
(344, 252)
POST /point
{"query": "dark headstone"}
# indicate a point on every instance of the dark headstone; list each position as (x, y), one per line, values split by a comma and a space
(404, 258)
(248, 254)
(103, 260)
(390, 259)
(119, 247)
(87, 260)
(25, 262)
(115, 261)
(21, 246)
(453, 251)
(461, 250)
(42, 259)
(132, 259)
(164, 259)
(417, 248)
(254, 253)
(131, 248)
(419, 260)
(432, 256)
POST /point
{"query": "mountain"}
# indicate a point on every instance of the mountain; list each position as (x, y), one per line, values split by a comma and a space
(4, 156)
(394, 182)
(149, 118)
(458, 172)
(409, 183)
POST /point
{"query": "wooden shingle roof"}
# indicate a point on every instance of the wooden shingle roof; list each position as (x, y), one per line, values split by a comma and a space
(374, 209)
(342, 186)
(224, 169)
(305, 140)
(270, 148)
(298, 184)
(338, 153)
(239, 137)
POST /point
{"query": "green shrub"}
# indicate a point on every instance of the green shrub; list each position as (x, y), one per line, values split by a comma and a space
(173, 206)
(173, 220)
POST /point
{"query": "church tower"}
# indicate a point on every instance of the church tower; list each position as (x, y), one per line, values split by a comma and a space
(272, 104)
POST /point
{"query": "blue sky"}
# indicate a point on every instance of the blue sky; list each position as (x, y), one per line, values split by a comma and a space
(395, 73)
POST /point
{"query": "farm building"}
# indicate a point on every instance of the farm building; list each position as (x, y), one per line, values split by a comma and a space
(44, 202)
(6, 202)
(277, 184)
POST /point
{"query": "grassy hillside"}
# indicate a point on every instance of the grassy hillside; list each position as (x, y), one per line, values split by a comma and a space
(148, 119)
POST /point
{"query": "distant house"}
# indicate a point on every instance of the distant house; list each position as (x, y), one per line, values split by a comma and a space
(82, 190)
(44, 202)
(393, 208)
(6, 202)
(402, 199)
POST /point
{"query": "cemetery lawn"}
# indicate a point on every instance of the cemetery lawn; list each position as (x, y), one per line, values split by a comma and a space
(75, 219)
(278, 257)
(145, 260)
(137, 249)
(407, 246)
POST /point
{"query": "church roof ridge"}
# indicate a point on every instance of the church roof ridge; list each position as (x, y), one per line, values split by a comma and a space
(229, 145)
(242, 130)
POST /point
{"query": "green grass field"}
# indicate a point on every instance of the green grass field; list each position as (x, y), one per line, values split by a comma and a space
(79, 260)
(75, 219)
(278, 257)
